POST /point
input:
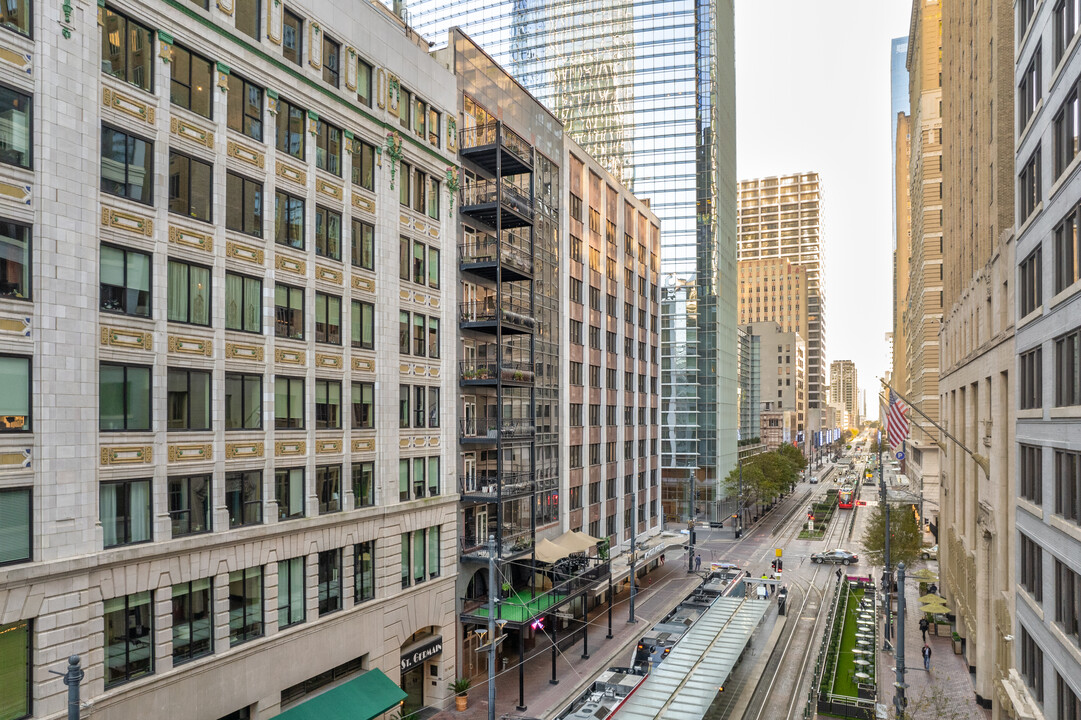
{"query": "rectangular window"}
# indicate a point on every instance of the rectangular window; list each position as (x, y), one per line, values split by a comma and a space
(193, 620)
(189, 504)
(419, 399)
(1031, 379)
(127, 166)
(1067, 22)
(420, 339)
(245, 605)
(16, 15)
(419, 260)
(127, 47)
(404, 245)
(362, 320)
(192, 82)
(363, 484)
(418, 477)
(328, 233)
(433, 475)
(288, 403)
(189, 293)
(330, 581)
(243, 205)
(433, 268)
(363, 171)
(245, 100)
(332, 52)
(363, 405)
(363, 245)
(328, 405)
(1068, 369)
(1069, 704)
(1030, 480)
(244, 497)
(1066, 132)
(1030, 275)
(191, 184)
(433, 407)
(328, 488)
(16, 648)
(124, 512)
(288, 220)
(328, 147)
(124, 394)
(292, 37)
(289, 312)
(433, 196)
(15, 254)
(1030, 565)
(403, 480)
(433, 552)
(290, 128)
(289, 493)
(1067, 251)
(420, 186)
(15, 379)
(405, 174)
(364, 83)
(248, 19)
(433, 337)
(328, 319)
(290, 592)
(364, 571)
(16, 528)
(1068, 600)
(574, 456)
(16, 132)
(1029, 191)
(188, 399)
(1032, 664)
(1068, 485)
(243, 401)
(403, 332)
(243, 303)
(129, 638)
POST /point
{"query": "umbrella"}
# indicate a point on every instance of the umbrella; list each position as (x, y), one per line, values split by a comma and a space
(931, 598)
(925, 574)
(934, 609)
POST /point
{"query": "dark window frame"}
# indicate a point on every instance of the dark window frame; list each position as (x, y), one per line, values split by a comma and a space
(361, 474)
(9, 426)
(247, 185)
(129, 151)
(323, 420)
(298, 50)
(127, 411)
(325, 245)
(245, 502)
(124, 538)
(248, 630)
(10, 290)
(286, 474)
(288, 113)
(190, 84)
(245, 411)
(358, 409)
(288, 417)
(127, 70)
(334, 72)
(325, 160)
(251, 126)
(28, 154)
(143, 622)
(245, 280)
(363, 591)
(328, 335)
(28, 491)
(284, 315)
(329, 600)
(192, 213)
(328, 489)
(188, 372)
(170, 313)
(282, 234)
(177, 514)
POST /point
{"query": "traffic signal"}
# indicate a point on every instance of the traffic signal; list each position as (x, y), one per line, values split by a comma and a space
(780, 565)
(774, 564)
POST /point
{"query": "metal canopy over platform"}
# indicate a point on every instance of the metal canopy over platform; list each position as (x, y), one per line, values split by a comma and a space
(685, 684)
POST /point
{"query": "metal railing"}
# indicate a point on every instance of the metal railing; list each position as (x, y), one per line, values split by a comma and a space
(491, 428)
(509, 310)
(508, 371)
(481, 135)
(491, 484)
(515, 540)
(486, 248)
(485, 191)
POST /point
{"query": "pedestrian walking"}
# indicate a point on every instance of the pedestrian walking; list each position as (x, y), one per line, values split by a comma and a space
(923, 628)
(662, 558)
(698, 562)
(927, 657)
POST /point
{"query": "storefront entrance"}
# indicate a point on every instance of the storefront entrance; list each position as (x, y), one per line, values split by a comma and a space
(419, 665)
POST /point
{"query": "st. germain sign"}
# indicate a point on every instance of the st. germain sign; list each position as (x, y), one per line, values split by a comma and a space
(419, 654)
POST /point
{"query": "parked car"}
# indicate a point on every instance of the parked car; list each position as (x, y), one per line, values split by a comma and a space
(835, 556)
(930, 553)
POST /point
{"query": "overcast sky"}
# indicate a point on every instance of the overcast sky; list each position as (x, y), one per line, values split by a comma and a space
(813, 94)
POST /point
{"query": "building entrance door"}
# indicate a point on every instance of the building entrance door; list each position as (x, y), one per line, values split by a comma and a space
(413, 685)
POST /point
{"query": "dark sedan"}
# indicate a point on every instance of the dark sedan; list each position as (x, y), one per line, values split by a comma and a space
(835, 556)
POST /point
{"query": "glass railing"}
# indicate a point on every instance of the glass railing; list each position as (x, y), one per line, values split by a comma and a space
(509, 310)
(486, 248)
(507, 371)
(485, 191)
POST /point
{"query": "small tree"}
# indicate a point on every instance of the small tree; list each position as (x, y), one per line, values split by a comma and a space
(906, 541)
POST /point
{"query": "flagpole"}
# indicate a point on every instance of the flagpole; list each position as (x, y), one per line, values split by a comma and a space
(976, 457)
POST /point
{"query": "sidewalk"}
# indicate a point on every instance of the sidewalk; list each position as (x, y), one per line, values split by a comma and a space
(660, 590)
(944, 691)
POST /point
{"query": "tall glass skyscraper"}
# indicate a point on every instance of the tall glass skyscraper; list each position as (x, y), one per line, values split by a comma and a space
(647, 87)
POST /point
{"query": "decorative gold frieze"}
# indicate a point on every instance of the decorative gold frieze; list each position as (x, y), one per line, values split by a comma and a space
(191, 132)
(127, 454)
(191, 238)
(433, 302)
(128, 222)
(245, 154)
(288, 264)
(191, 452)
(420, 298)
(16, 459)
(350, 68)
(15, 326)
(364, 445)
(191, 346)
(289, 357)
(405, 368)
(420, 370)
(420, 225)
(363, 203)
(21, 194)
(126, 338)
(122, 103)
(452, 134)
(244, 252)
(328, 362)
(433, 231)
(433, 441)
(404, 443)
(243, 450)
(326, 447)
(23, 62)
(289, 447)
(328, 189)
(238, 351)
(364, 364)
(274, 21)
(433, 372)
(364, 284)
(405, 220)
(329, 275)
(226, 6)
(288, 172)
(405, 294)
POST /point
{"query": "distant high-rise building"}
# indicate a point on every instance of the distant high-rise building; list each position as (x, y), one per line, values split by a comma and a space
(782, 382)
(844, 390)
(898, 104)
(603, 69)
(750, 368)
(780, 217)
(903, 236)
(773, 290)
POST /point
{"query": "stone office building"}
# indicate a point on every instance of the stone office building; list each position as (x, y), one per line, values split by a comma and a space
(225, 358)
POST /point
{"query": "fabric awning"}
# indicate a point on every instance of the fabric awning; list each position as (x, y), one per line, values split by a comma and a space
(576, 541)
(548, 552)
(361, 698)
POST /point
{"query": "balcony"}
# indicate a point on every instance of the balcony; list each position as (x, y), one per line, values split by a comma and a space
(495, 144)
(487, 373)
(514, 316)
(483, 430)
(485, 486)
(496, 201)
(485, 255)
(516, 541)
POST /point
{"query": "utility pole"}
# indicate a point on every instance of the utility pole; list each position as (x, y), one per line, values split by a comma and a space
(887, 576)
(491, 626)
(738, 529)
(899, 700)
(634, 551)
(611, 597)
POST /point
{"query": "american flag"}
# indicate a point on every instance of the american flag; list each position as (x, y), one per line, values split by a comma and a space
(896, 420)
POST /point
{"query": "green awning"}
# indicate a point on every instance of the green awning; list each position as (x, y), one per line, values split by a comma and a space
(362, 698)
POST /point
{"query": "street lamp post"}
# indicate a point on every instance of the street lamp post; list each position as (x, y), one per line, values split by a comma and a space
(887, 576)
(72, 678)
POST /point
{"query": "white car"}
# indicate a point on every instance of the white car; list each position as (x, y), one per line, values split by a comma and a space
(930, 553)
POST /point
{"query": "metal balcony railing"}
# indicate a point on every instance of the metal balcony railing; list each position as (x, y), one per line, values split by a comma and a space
(486, 248)
(488, 483)
(481, 135)
(510, 310)
(484, 191)
(514, 540)
(490, 428)
(492, 370)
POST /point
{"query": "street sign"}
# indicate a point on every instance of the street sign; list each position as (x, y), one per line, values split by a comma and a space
(900, 455)
(778, 552)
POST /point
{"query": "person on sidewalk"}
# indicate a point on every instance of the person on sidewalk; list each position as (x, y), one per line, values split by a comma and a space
(923, 628)
(927, 657)
(698, 562)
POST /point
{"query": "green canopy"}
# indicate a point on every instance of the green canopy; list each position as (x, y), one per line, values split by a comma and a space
(361, 698)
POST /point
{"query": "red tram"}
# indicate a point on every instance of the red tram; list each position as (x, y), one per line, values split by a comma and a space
(846, 498)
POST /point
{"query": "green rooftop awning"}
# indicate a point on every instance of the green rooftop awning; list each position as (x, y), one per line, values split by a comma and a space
(362, 698)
